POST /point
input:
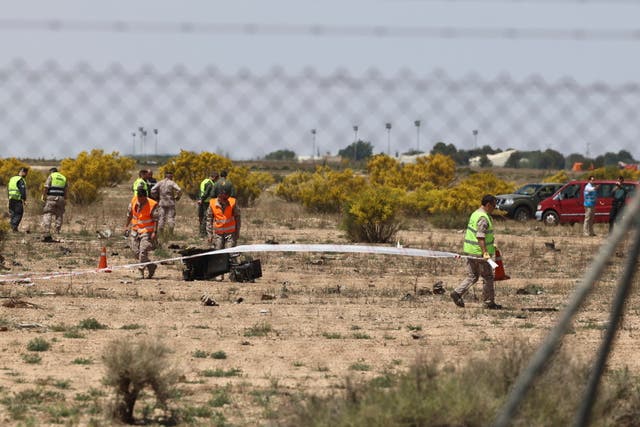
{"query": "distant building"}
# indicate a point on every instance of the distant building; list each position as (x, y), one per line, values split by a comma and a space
(408, 160)
(498, 159)
(319, 159)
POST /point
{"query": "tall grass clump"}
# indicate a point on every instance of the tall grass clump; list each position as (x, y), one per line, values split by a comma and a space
(435, 393)
(133, 366)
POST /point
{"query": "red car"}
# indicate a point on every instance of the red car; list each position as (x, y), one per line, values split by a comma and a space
(566, 205)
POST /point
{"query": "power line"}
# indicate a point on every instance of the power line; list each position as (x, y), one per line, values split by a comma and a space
(319, 30)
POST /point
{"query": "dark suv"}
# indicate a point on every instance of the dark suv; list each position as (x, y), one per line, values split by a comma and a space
(521, 205)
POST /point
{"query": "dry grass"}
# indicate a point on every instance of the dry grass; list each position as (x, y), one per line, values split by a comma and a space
(335, 315)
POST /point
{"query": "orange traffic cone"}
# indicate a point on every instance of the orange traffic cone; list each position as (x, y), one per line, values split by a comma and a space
(102, 263)
(499, 273)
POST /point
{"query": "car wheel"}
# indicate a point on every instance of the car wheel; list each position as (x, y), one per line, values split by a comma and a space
(522, 214)
(550, 218)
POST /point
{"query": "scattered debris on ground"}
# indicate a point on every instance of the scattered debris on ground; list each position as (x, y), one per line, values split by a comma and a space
(18, 303)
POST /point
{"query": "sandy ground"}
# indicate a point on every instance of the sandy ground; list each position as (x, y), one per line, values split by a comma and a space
(331, 312)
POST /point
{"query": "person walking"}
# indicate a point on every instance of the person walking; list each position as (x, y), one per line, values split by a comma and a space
(619, 194)
(223, 220)
(590, 198)
(167, 193)
(141, 228)
(479, 247)
(54, 194)
(205, 195)
(17, 193)
(141, 181)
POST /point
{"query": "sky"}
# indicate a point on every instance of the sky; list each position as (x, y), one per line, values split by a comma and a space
(519, 38)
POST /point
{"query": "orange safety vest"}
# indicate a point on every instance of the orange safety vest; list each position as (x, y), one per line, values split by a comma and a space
(224, 221)
(143, 222)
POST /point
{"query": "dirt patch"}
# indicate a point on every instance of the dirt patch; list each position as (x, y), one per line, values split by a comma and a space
(311, 321)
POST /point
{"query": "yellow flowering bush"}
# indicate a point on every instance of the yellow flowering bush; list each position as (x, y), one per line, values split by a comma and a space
(371, 215)
(189, 169)
(88, 172)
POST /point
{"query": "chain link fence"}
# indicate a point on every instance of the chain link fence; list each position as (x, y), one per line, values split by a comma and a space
(49, 111)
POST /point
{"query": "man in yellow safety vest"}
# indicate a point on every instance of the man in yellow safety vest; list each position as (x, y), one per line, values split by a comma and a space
(17, 192)
(479, 247)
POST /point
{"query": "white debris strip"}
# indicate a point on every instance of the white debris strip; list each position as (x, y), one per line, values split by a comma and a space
(380, 250)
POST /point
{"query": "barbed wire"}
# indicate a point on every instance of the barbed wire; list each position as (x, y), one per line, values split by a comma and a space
(51, 111)
(321, 30)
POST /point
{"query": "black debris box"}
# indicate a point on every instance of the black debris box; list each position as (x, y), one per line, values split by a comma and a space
(204, 267)
(246, 271)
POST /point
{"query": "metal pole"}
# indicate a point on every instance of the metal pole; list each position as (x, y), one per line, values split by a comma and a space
(624, 287)
(141, 131)
(355, 143)
(313, 138)
(548, 347)
(417, 123)
(388, 126)
(133, 140)
(155, 131)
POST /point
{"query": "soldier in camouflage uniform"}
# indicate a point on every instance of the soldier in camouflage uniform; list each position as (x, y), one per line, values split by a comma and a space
(55, 190)
(167, 192)
(141, 228)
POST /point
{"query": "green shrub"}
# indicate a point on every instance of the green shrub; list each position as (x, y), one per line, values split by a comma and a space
(221, 373)
(372, 215)
(220, 397)
(219, 355)
(131, 367)
(73, 333)
(31, 358)
(132, 327)
(91, 323)
(38, 344)
(258, 330)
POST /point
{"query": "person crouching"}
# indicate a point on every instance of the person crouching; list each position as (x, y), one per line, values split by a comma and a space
(141, 226)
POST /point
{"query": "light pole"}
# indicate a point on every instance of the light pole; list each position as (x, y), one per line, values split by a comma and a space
(155, 131)
(144, 140)
(475, 138)
(313, 139)
(388, 127)
(417, 123)
(355, 143)
(142, 134)
(133, 141)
